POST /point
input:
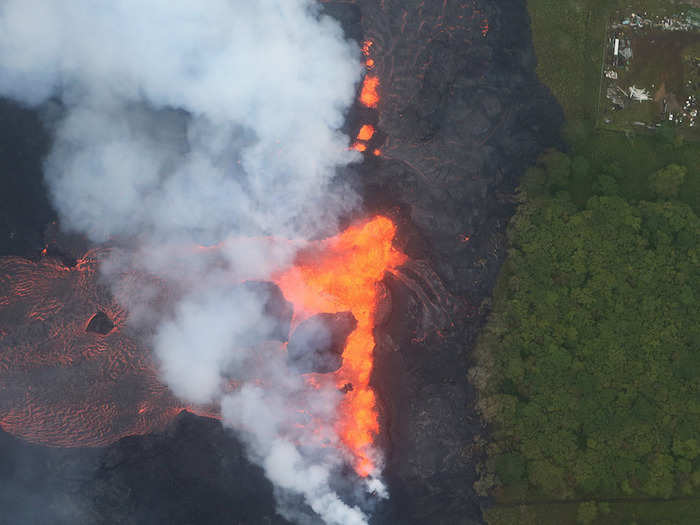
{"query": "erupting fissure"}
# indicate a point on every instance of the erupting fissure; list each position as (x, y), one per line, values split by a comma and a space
(341, 274)
(368, 97)
(106, 387)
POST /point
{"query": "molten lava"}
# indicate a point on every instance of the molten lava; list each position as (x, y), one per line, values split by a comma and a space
(368, 95)
(64, 384)
(341, 274)
(365, 132)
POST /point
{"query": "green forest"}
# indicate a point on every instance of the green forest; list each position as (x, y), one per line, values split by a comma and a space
(588, 370)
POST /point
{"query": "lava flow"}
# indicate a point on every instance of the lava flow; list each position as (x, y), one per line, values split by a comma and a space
(73, 373)
(341, 274)
(365, 132)
(368, 97)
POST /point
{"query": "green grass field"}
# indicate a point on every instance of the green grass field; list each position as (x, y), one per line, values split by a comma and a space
(568, 36)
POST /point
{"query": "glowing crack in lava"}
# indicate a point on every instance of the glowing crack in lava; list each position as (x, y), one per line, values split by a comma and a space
(341, 274)
(64, 385)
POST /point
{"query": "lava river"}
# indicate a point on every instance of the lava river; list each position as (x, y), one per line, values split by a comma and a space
(341, 274)
(63, 385)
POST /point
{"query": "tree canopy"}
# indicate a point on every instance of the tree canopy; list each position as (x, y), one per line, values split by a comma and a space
(592, 352)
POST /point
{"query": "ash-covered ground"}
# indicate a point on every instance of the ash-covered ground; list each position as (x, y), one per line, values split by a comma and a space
(461, 116)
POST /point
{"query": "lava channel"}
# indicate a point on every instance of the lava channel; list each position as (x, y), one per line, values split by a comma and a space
(65, 384)
(341, 274)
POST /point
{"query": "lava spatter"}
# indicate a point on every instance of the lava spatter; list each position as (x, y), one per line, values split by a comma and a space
(369, 95)
(366, 132)
(340, 274)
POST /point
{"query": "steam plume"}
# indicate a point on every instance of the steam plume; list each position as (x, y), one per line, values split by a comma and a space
(188, 122)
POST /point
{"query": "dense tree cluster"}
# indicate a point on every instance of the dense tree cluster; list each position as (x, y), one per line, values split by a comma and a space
(589, 368)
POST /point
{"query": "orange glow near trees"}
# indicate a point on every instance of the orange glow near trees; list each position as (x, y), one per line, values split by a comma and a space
(341, 274)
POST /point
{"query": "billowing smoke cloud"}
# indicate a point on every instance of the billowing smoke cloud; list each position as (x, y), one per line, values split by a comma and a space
(182, 122)
(265, 85)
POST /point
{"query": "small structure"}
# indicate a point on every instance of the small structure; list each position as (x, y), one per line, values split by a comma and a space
(638, 94)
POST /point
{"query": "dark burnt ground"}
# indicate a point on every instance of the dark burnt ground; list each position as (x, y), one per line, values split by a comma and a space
(194, 472)
(461, 117)
(24, 206)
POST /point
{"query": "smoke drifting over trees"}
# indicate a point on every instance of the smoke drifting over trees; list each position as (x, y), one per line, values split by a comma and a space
(181, 122)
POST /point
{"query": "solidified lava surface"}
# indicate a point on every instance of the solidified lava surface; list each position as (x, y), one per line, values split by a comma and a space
(317, 344)
(459, 116)
(72, 373)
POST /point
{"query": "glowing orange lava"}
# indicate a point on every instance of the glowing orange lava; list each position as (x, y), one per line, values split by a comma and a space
(109, 386)
(341, 274)
(365, 132)
(369, 95)
(366, 48)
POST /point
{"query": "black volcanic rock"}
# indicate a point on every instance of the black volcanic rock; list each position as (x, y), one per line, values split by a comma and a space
(426, 416)
(349, 16)
(194, 472)
(276, 308)
(100, 324)
(317, 344)
(24, 205)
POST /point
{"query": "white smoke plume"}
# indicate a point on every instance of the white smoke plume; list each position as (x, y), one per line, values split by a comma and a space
(183, 122)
